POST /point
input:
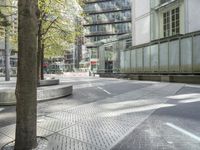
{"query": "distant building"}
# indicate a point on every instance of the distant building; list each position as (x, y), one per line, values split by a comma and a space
(78, 51)
(105, 19)
(109, 53)
(13, 61)
(69, 61)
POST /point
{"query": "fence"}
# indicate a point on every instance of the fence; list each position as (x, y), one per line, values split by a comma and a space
(179, 54)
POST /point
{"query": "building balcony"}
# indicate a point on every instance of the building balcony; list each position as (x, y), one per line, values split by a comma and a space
(113, 21)
(105, 33)
(108, 10)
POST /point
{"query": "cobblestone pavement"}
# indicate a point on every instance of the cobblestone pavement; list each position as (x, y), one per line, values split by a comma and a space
(116, 114)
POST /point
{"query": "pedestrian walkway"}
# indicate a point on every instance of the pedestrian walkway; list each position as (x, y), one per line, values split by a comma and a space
(99, 125)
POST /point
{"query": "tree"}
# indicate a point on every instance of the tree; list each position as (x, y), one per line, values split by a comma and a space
(57, 28)
(6, 14)
(26, 88)
(8, 9)
(5, 23)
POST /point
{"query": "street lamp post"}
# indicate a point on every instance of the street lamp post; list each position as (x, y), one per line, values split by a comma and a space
(7, 54)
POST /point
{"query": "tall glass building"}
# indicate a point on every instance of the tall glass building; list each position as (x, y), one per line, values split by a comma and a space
(105, 19)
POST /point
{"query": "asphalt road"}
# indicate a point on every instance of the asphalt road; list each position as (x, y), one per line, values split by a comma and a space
(176, 127)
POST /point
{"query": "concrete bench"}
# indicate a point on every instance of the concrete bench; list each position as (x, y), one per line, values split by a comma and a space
(7, 95)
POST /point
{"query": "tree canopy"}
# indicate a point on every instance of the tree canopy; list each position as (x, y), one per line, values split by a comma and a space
(59, 21)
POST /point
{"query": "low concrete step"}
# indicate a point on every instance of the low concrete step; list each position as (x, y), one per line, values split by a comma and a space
(7, 94)
(49, 82)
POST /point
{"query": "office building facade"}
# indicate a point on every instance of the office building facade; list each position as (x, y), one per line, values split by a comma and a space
(157, 19)
(165, 38)
(105, 19)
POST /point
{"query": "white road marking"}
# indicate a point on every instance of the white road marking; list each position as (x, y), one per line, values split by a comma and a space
(100, 88)
(1, 109)
(104, 90)
(183, 131)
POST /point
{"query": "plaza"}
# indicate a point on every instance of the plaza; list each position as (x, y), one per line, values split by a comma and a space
(116, 114)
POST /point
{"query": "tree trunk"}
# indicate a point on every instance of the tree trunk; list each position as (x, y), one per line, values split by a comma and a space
(26, 89)
(42, 63)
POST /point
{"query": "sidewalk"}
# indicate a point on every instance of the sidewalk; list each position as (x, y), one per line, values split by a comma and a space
(102, 124)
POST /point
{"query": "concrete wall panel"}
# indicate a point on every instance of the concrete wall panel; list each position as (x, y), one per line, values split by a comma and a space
(122, 66)
(192, 13)
(127, 63)
(163, 56)
(186, 55)
(142, 31)
(196, 54)
(147, 63)
(154, 58)
(174, 56)
(139, 59)
(142, 7)
(133, 60)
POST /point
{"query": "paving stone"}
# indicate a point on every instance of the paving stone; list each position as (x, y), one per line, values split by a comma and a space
(60, 142)
(86, 110)
(102, 124)
(109, 125)
(53, 125)
(4, 140)
(69, 117)
(90, 135)
(10, 131)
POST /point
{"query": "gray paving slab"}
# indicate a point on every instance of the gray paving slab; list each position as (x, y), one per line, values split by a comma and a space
(9, 131)
(89, 110)
(53, 125)
(108, 125)
(68, 117)
(60, 142)
(125, 113)
(103, 124)
(170, 128)
(4, 140)
(90, 135)
(153, 134)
